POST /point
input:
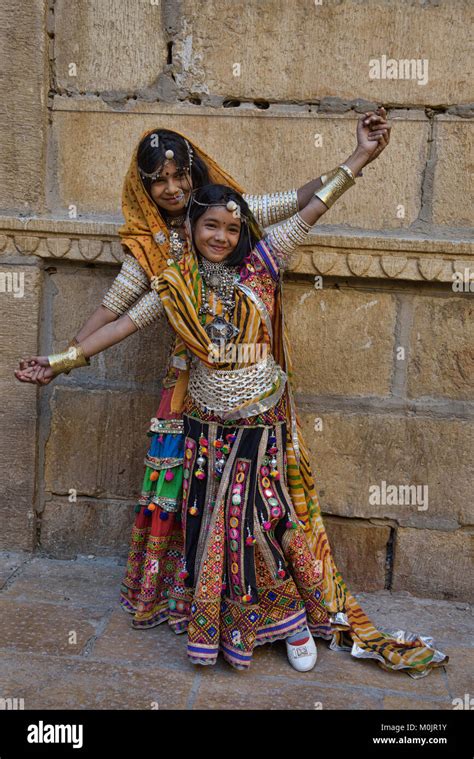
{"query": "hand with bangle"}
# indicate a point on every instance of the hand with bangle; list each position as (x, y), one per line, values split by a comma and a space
(40, 370)
(373, 133)
(373, 136)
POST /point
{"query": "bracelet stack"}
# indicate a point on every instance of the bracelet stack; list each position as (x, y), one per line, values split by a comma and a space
(291, 233)
(330, 174)
(130, 283)
(272, 208)
(146, 310)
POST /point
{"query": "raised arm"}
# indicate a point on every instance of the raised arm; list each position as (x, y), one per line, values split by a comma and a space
(284, 238)
(278, 206)
(273, 207)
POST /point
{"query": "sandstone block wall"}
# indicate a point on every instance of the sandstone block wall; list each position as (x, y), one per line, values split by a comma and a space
(382, 340)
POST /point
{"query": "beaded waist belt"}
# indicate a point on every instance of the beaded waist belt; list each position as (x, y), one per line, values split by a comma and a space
(237, 393)
(166, 426)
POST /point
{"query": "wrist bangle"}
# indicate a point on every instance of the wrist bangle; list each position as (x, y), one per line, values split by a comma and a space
(348, 171)
(335, 187)
(71, 358)
(351, 173)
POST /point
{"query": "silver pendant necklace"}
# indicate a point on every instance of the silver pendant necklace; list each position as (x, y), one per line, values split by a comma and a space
(221, 279)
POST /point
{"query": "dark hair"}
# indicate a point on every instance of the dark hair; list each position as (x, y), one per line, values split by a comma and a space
(250, 231)
(151, 156)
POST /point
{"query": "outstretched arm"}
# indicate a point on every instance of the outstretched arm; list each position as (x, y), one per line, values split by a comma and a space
(144, 312)
(129, 284)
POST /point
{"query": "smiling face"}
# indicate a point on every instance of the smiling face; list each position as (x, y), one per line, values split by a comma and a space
(217, 233)
(172, 188)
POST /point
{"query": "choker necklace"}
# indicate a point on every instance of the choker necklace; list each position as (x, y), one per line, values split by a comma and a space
(176, 221)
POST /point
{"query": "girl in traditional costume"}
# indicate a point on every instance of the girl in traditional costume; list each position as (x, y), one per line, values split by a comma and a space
(257, 564)
(164, 169)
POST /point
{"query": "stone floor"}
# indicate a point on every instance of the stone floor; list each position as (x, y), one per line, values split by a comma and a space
(66, 644)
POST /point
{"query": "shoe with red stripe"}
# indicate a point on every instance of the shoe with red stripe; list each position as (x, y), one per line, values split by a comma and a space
(301, 651)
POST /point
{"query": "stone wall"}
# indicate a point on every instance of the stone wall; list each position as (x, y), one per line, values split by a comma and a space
(382, 340)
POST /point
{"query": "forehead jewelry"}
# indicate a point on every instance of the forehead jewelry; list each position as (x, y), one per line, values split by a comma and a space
(169, 156)
(231, 206)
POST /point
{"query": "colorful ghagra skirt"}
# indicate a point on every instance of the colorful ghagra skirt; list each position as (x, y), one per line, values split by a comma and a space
(248, 570)
(230, 563)
(152, 590)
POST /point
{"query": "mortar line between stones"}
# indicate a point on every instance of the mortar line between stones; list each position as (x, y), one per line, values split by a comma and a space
(425, 215)
(231, 103)
(403, 327)
(52, 194)
(424, 408)
(389, 554)
(44, 398)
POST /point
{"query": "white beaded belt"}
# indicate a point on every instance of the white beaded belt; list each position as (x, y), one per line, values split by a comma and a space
(225, 392)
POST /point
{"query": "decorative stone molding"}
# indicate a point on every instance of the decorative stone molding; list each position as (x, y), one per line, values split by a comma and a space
(353, 254)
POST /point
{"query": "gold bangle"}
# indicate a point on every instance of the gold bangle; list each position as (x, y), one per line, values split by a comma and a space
(71, 358)
(71, 343)
(348, 171)
(330, 174)
(336, 186)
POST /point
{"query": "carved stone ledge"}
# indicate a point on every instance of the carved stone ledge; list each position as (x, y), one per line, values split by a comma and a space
(353, 254)
(59, 238)
(375, 257)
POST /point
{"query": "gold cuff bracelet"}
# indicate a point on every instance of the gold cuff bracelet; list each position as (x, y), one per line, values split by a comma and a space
(335, 187)
(69, 359)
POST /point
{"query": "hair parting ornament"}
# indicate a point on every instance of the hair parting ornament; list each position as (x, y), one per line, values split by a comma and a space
(169, 156)
(230, 205)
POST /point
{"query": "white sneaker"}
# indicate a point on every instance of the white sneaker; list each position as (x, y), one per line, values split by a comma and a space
(302, 656)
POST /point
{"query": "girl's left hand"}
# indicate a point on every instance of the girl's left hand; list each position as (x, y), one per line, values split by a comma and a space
(373, 133)
(34, 370)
